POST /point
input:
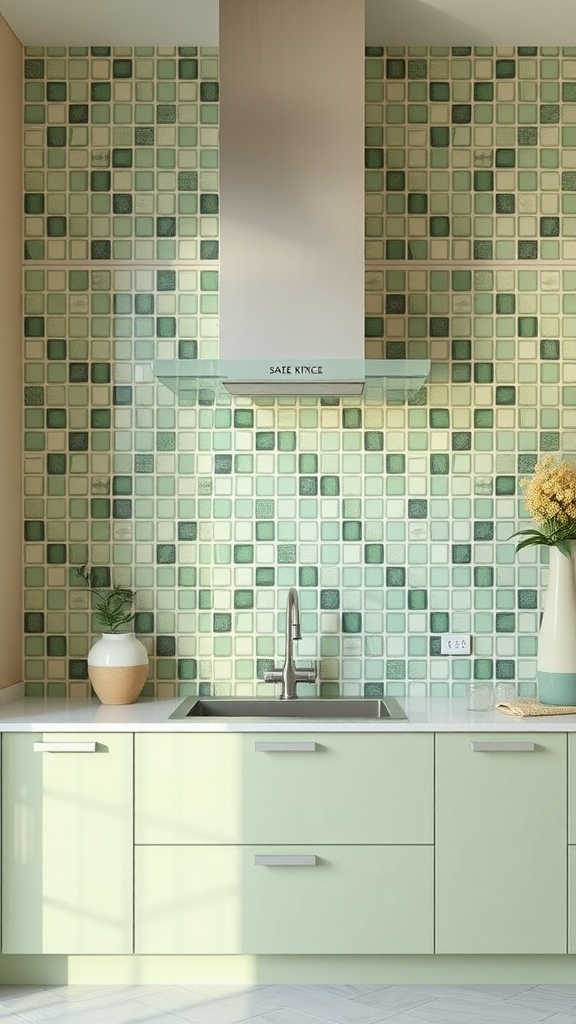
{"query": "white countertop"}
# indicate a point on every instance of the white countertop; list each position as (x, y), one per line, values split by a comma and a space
(435, 714)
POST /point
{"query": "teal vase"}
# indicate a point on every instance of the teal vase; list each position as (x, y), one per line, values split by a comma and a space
(557, 636)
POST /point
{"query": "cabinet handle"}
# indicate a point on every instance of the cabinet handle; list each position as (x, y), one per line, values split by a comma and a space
(67, 747)
(285, 746)
(285, 860)
(483, 746)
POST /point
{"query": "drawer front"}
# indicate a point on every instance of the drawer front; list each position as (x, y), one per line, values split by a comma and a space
(296, 899)
(284, 788)
(501, 843)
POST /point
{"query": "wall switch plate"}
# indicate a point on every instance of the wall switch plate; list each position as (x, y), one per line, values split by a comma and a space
(455, 643)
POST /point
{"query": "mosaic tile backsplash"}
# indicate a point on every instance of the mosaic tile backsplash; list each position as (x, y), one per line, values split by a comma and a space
(393, 520)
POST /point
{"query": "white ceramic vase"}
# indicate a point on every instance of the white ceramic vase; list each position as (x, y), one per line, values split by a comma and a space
(118, 668)
(557, 636)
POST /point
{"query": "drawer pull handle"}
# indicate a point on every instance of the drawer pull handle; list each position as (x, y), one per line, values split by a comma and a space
(285, 746)
(506, 746)
(66, 747)
(285, 860)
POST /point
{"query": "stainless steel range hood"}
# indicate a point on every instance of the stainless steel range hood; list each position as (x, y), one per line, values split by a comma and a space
(291, 205)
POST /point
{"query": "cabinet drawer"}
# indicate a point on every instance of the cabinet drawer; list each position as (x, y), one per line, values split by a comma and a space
(501, 843)
(219, 900)
(284, 788)
(572, 899)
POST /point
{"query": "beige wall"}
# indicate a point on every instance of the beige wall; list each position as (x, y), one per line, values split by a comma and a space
(10, 358)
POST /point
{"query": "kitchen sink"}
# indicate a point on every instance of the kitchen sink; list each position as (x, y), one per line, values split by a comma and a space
(302, 707)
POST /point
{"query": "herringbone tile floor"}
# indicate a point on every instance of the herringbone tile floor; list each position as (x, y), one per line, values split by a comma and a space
(289, 1004)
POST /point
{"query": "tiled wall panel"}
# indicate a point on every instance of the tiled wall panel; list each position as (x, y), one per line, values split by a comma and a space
(395, 521)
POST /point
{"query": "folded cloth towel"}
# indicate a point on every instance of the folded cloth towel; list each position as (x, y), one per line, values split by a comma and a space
(527, 706)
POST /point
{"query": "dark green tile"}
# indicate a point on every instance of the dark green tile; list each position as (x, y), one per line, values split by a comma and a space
(483, 92)
(527, 250)
(549, 113)
(549, 227)
(417, 600)
(439, 465)
(505, 303)
(505, 486)
(483, 418)
(308, 576)
(122, 68)
(417, 508)
(187, 530)
(483, 668)
(505, 158)
(395, 576)
(144, 622)
(351, 622)
(222, 464)
(461, 113)
(374, 441)
(56, 137)
(461, 554)
(243, 554)
(395, 463)
(483, 181)
(483, 576)
(329, 600)
(505, 69)
(527, 136)
(101, 92)
(439, 92)
(33, 530)
(439, 227)
(417, 202)
(351, 418)
(439, 137)
(243, 599)
(439, 622)
(395, 68)
(308, 486)
(482, 250)
(483, 530)
(165, 554)
(505, 622)
(395, 181)
(56, 554)
(329, 486)
(351, 530)
(549, 348)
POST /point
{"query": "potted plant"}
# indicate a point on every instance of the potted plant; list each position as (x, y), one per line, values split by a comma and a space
(118, 661)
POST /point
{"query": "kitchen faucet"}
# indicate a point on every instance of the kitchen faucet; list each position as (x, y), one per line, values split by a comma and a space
(289, 675)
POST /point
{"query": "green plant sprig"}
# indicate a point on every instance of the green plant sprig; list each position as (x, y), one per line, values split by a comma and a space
(111, 607)
(552, 534)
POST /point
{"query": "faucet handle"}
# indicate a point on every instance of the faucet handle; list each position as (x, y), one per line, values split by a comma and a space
(307, 675)
(275, 675)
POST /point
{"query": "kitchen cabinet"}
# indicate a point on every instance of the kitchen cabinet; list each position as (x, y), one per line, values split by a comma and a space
(284, 787)
(284, 899)
(501, 843)
(284, 843)
(67, 843)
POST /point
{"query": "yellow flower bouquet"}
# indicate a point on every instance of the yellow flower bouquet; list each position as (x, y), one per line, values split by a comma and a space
(550, 498)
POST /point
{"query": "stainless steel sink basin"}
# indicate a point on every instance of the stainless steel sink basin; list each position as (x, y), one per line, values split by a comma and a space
(319, 709)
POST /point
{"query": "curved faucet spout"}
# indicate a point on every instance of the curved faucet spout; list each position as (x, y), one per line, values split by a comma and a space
(289, 675)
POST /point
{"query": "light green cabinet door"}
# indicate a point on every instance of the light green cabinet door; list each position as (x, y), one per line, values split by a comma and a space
(67, 843)
(500, 843)
(284, 788)
(572, 899)
(572, 788)
(293, 899)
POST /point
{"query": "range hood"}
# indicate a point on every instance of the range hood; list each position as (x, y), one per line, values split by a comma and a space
(291, 207)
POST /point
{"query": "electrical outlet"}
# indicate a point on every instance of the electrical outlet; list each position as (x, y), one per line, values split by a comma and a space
(455, 643)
